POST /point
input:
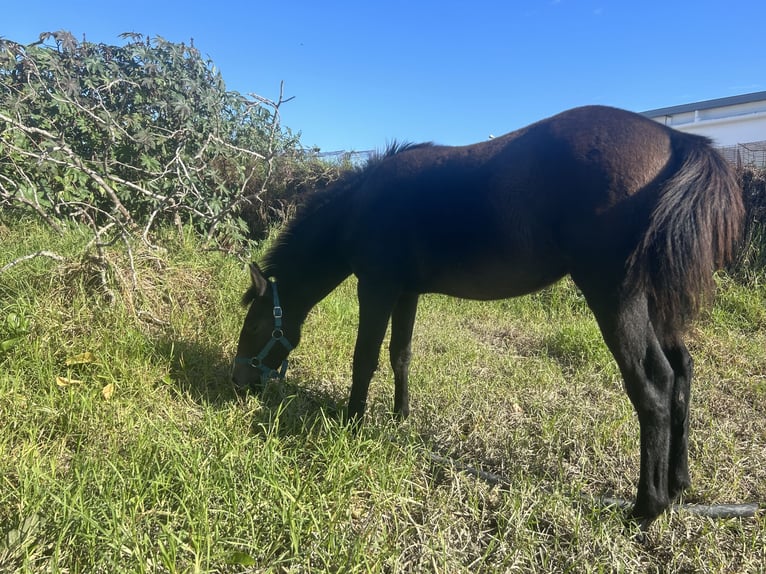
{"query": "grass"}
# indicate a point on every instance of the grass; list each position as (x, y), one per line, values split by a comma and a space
(124, 448)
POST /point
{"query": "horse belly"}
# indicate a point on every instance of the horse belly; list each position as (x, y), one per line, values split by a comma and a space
(502, 279)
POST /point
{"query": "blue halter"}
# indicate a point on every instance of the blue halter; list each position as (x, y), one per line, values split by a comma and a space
(277, 336)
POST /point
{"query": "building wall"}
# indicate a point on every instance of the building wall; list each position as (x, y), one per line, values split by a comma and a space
(741, 123)
(724, 131)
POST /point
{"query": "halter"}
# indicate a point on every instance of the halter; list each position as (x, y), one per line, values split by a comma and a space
(277, 336)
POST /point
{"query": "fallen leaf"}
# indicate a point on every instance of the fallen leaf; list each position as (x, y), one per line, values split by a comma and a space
(66, 381)
(108, 391)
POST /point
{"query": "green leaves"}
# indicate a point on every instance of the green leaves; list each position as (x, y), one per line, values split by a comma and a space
(133, 134)
(14, 330)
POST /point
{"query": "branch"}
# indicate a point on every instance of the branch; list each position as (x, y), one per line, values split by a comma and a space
(49, 254)
(239, 200)
(739, 510)
(742, 510)
(9, 197)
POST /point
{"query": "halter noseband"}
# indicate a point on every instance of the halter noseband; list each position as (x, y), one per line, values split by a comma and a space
(277, 336)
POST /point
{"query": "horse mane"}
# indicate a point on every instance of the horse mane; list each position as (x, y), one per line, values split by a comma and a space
(318, 201)
(327, 200)
(395, 148)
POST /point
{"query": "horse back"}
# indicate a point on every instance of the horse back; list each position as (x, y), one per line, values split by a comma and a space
(517, 212)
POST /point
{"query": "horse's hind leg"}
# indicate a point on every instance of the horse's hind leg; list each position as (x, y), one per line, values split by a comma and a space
(400, 350)
(682, 364)
(649, 381)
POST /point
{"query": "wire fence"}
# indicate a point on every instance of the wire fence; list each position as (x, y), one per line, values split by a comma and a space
(746, 155)
(751, 154)
(346, 157)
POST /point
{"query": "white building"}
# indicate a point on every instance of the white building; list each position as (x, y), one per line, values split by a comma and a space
(736, 124)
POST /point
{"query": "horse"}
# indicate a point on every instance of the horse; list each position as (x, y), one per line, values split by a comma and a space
(639, 216)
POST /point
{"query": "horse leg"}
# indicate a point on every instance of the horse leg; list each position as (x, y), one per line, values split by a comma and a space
(649, 382)
(683, 366)
(375, 307)
(400, 350)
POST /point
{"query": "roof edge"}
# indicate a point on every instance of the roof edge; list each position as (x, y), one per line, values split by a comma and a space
(706, 104)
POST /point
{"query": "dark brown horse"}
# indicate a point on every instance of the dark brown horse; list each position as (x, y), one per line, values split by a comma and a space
(638, 215)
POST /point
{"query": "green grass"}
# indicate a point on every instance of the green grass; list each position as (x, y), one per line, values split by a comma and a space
(124, 449)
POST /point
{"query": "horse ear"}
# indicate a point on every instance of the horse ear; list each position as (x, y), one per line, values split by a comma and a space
(260, 282)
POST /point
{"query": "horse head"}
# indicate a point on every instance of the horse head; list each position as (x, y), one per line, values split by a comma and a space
(267, 335)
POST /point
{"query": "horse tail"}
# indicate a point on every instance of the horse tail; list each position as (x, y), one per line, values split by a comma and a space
(694, 230)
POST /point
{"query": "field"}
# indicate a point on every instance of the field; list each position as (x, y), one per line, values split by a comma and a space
(124, 448)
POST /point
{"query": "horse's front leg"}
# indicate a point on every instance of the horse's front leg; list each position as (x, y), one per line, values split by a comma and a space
(400, 350)
(375, 306)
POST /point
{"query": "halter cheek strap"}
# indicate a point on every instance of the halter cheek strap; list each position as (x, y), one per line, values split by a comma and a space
(277, 336)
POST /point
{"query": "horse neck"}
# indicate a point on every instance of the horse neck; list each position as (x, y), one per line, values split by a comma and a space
(307, 262)
(301, 291)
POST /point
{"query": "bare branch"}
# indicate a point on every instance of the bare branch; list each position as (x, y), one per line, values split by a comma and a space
(49, 254)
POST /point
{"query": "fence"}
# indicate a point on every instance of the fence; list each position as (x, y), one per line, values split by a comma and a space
(746, 155)
(352, 157)
(751, 154)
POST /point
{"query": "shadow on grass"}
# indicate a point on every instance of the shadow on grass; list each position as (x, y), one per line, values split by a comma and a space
(203, 373)
(197, 369)
(295, 406)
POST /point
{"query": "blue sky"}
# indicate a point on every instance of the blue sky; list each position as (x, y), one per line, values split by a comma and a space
(364, 73)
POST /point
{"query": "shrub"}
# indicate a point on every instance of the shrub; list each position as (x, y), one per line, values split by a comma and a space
(129, 137)
(126, 139)
(752, 257)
